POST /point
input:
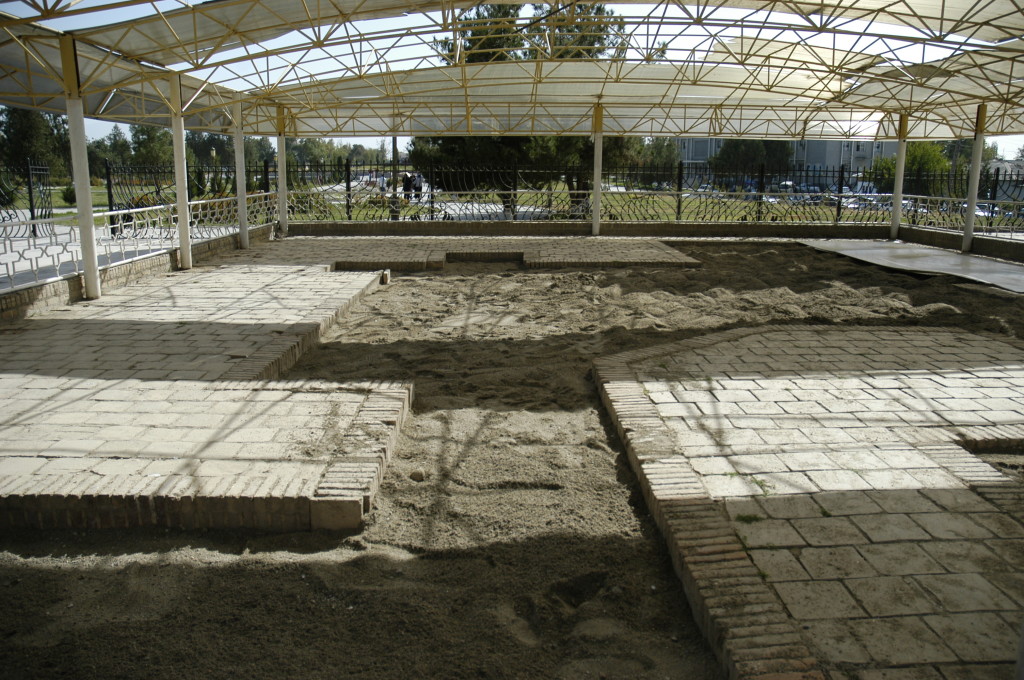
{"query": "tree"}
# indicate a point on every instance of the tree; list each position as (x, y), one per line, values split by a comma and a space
(492, 34)
(315, 151)
(926, 172)
(1020, 154)
(209, 148)
(32, 136)
(114, 148)
(577, 32)
(958, 151)
(747, 155)
(660, 151)
(151, 146)
(120, 147)
(258, 150)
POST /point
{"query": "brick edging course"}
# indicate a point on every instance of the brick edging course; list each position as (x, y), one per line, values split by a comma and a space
(345, 492)
(742, 618)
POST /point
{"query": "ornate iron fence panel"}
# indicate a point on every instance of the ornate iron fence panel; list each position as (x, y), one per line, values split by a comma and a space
(26, 201)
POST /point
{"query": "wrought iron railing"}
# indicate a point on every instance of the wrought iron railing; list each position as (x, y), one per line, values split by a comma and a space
(56, 250)
(26, 198)
(999, 219)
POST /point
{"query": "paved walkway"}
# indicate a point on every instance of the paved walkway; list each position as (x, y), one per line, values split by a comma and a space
(817, 492)
(161, 404)
(412, 253)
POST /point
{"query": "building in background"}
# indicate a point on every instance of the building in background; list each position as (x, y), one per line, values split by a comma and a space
(811, 154)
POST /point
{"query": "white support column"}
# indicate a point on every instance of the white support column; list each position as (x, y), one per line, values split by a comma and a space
(180, 174)
(595, 228)
(243, 204)
(80, 167)
(83, 196)
(282, 176)
(897, 186)
(974, 176)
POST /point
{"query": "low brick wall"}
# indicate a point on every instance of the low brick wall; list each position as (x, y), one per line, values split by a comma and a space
(583, 228)
(24, 301)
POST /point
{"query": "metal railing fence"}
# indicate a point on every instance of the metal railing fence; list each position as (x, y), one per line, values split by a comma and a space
(32, 251)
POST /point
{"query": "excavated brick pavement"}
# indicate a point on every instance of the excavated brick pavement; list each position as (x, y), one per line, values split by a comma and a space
(162, 403)
(815, 485)
(819, 496)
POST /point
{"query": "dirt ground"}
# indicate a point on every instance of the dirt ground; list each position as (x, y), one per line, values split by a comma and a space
(509, 539)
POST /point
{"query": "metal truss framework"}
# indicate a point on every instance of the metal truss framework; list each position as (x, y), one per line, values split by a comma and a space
(316, 68)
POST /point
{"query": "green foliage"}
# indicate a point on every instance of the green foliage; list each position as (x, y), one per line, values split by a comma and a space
(68, 194)
(196, 183)
(748, 154)
(7, 196)
(115, 148)
(258, 150)
(30, 136)
(576, 32)
(958, 151)
(493, 33)
(926, 172)
(151, 145)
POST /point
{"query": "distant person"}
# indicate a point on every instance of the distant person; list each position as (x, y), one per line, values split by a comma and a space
(407, 186)
(417, 186)
(383, 183)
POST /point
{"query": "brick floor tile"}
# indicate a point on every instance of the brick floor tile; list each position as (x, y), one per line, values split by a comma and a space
(912, 673)
(903, 500)
(772, 533)
(950, 525)
(845, 502)
(778, 565)
(786, 483)
(724, 486)
(888, 480)
(808, 600)
(959, 500)
(966, 556)
(891, 596)
(1001, 525)
(757, 463)
(900, 559)
(979, 672)
(1012, 584)
(832, 639)
(901, 640)
(889, 527)
(829, 531)
(790, 506)
(835, 563)
(976, 637)
(1011, 550)
(838, 480)
(965, 592)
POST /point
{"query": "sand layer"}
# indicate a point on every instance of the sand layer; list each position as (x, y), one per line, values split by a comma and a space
(509, 540)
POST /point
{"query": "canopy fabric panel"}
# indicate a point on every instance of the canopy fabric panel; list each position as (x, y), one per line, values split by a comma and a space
(354, 67)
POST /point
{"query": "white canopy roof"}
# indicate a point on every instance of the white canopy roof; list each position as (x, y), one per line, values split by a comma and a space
(373, 67)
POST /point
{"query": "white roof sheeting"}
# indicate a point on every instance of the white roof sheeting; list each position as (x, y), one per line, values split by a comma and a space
(335, 67)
